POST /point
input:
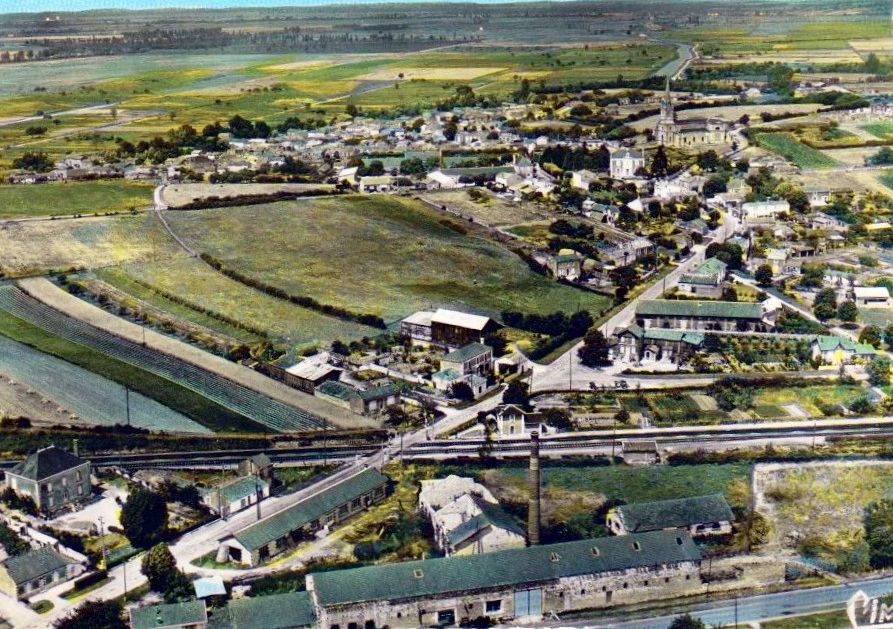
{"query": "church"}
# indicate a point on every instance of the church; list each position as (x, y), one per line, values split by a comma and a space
(690, 132)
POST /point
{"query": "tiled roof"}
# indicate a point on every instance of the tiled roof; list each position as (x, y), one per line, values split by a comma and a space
(654, 516)
(338, 390)
(683, 336)
(686, 308)
(288, 520)
(831, 343)
(506, 568)
(241, 488)
(47, 462)
(34, 563)
(378, 393)
(466, 352)
(172, 615)
(277, 611)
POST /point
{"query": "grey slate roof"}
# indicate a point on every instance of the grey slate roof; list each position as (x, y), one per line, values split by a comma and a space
(506, 568)
(47, 462)
(288, 520)
(466, 352)
(277, 611)
(172, 615)
(491, 515)
(34, 564)
(684, 512)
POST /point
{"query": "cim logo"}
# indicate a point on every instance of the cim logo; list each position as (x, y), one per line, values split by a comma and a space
(865, 612)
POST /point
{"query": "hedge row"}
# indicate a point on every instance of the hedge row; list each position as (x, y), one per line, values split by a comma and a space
(299, 300)
(251, 199)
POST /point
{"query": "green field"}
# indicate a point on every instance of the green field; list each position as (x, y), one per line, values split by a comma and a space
(882, 130)
(799, 154)
(58, 199)
(171, 394)
(382, 255)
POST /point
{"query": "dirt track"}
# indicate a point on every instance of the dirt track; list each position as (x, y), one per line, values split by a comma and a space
(53, 296)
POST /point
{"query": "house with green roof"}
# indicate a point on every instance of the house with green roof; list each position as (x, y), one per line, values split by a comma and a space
(636, 345)
(37, 570)
(292, 610)
(236, 495)
(727, 316)
(510, 586)
(54, 478)
(706, 281)
(699, 515)
(360, 401)
(839, 350)
(185, 615)
(322, 511)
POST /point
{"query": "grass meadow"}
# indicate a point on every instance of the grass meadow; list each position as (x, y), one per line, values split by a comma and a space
(62, 199)
(787, 146)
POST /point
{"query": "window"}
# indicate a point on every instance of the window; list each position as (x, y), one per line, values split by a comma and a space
(370, 624)
(637, 546)
(595, 551)
(554, 557)
(493, 607)
(446, 618)
(417, 573)
(352, 625)
(625, 586)
(334, 626)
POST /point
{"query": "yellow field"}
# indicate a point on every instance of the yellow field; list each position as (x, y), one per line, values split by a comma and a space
(872, 45)
(780, 55)
(430, 74)
(183, 193)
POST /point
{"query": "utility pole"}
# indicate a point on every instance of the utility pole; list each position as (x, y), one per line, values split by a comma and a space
(257, 494)
(570, 373)
(124, 574)
(127, 403)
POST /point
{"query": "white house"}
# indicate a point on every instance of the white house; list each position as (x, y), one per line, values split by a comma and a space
(625, 163)
(871, 296)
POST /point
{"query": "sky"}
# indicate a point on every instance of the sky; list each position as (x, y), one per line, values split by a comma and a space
(34, 6)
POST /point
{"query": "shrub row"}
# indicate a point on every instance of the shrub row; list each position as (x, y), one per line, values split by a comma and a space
(250, 199)
(299, 300)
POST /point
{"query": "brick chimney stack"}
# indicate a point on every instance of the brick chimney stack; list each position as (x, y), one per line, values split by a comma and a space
(533, 484)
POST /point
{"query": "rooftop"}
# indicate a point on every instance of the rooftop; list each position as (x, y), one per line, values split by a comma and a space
(491, 515)
(684, 512)
(276, 611)
(288, 520)
(688, 308)
(47, 462)
(536, 564)
(171, 615)
(240, 488)
(34, 564)
(466, 352)
(460, 319)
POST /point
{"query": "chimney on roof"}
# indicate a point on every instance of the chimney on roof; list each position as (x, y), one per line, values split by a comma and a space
(533, 484)
(74, 447)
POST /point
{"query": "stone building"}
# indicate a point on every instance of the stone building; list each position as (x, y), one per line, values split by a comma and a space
(627, 163)
(698, 516)
(705, 281)
(53, 478)
(691, 132)
(36, 571)
(728, 316)
(474, 358)
(636, 345)
(282, 530)
(449, 329)
(516, 585)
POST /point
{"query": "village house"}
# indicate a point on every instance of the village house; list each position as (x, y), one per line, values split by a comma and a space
(727, 316)
(626, 163)
(310, 373)
(35, 571)
(622, 253)
(258, 465)
(515, 585)
(379, 183)
(360, 401)
(184, 615)
(655, 345)
(699, 516)
(838, 350)
(565, 266)
(761, 211)
(53, 478)
(705, 281)
(474, 358)
(275, 533)
(510, 420)
(447, 328)
(640, 452)
(236, 495)
(583, 179)
(871, 296)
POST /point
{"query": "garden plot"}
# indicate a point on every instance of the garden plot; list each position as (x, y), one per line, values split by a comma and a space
(817, 508)
(65, 393)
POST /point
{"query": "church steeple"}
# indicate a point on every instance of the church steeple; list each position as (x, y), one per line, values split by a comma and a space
(666, 106)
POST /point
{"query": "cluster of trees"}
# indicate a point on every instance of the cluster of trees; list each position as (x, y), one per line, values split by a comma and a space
(94, 615)
(563, 227)
(577, 158)
(34, 162)
(144, 518)
(595, 350)
(160, 568)
(729, 253)
(826, 307)
(555, 324)
(159, 148)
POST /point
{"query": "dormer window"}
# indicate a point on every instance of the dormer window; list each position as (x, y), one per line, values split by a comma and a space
(637, 546)
(554, 557)
(595, 551)
(417, 573)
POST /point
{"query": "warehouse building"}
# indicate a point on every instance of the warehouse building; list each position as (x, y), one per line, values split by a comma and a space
(282, 530)
(699, 515)
(727, 316)
(516, 585)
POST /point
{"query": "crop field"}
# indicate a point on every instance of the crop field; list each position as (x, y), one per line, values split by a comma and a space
(882, 130)
(61, 199)
(382, 255)
(183, 193)
(822, 504)
(35, 247)
(92, 398)
(196, 283)
(809, 398)
(238, 402)
(787, 146)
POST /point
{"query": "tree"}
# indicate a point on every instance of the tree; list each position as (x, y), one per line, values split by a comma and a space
(660, 163)
(763, 275)
(462, 391)
(594, 352)
(878, 523)
(94, 615)
(558, 418)
(879, 371)
(825, 305)
(687, 622)
(352, 110)
(516, 393)
(871, 335)
(35, 162)
(622, 416)
(847, 311)
(240, 127)
(159, 567)
(144, 518)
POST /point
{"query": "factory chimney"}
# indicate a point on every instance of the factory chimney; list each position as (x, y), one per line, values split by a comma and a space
(533, 484)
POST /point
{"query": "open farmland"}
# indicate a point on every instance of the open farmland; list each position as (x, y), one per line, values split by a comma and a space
(34, 247)
(381, 255)
(183, 193)
(239, 401)
(90, 397)
(787, 146)
(489, 209)
(193, 282)
(61, 199)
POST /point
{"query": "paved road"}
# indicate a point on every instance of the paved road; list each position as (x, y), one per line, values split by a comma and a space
(755, 608)
(69, 112)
